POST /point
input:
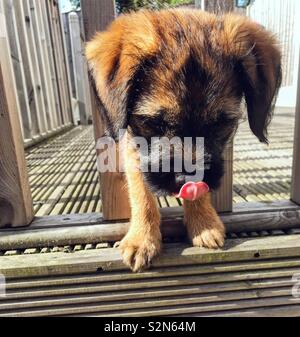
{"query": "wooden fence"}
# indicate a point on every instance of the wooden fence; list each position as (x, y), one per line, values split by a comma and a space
(37, 49)
(15, 198)
(29, 65)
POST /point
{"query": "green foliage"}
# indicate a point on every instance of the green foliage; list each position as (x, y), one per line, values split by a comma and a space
(128, 5)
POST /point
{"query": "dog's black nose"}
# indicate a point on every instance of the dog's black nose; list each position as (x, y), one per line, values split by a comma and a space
(180, 179)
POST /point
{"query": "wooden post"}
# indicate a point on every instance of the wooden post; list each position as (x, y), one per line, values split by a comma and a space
(15, 197)
(115, 204)
(295, 193)
(222, 199)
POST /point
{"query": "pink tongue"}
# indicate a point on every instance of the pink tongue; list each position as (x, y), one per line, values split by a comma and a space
(193, 191)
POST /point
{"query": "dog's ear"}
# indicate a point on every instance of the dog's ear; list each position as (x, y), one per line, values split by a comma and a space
(258, 66)
(114, 57)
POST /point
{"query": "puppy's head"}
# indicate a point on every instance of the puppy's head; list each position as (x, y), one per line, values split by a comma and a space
(183, 73)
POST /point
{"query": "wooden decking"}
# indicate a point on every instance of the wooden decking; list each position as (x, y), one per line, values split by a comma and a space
(249, 277)
(64, 179)
(63, 175)
(64, 265)
(263, 172)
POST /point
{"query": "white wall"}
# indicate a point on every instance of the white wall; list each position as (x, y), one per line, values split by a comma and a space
(282, 18)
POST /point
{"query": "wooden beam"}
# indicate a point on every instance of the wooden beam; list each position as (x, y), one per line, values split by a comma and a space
(252, 208)
(96, 16)
(110, 259)
(92, 228)
(15, 196)
(295, 193)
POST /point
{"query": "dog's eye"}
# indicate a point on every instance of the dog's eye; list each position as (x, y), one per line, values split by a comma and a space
(157, 127)
(225, 119)
(223, 128)
(154, 125)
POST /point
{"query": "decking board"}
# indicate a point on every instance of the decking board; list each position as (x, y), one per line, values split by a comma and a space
(182, 281)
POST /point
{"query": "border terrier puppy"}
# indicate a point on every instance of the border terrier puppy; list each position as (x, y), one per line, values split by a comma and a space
(181, 73)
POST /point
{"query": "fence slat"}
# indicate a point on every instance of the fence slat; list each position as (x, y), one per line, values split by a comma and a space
(39, 35)
(85, 66)
(65, 66)
(57, 60)
(60, 60)
(30, 92)
(78, 66)
(17, 61)
(295, 193)
(27, 17)
(15, 197)
(40, 64)
(45, 20)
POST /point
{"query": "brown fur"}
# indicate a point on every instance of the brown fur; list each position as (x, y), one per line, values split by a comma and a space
(143, 240)
(181, 73)
(204, 227)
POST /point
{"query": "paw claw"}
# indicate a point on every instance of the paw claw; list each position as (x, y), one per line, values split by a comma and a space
(117, 244)
(137, 254)
(210, 238)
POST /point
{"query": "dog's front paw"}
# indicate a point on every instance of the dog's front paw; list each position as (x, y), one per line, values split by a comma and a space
(138, 251)
(210, 236)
